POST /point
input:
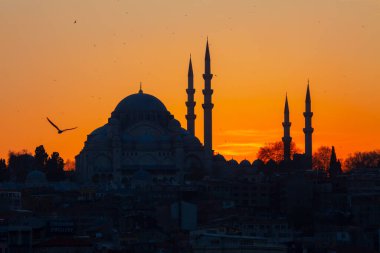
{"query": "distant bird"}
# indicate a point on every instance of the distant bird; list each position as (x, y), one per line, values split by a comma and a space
(59, 130)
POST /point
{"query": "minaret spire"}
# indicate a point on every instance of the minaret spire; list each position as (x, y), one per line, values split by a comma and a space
(140, 90)
(286, 109)
(207, 105)
(207, 59)
(308, 130)
(286, 125)
(190, 103)
(190, 71)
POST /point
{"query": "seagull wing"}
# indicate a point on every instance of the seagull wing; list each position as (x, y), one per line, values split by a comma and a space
(53, 124)
(67, 129)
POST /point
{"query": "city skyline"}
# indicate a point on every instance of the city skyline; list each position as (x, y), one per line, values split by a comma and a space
(62, 67)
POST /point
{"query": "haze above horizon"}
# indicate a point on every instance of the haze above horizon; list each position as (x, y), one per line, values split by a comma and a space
(73, 61)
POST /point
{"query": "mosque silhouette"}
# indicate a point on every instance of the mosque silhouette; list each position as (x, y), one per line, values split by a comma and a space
(143, 142)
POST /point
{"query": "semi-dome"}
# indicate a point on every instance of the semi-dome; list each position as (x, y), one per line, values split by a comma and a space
(98, 135)
(100, 131)
(140, 102)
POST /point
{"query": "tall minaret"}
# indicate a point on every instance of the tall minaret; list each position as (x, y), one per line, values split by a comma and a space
(308, 130)
(286, 124)
(190, 103)
(207, 105)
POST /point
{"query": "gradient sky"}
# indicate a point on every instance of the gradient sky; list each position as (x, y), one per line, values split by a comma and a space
(77, 73)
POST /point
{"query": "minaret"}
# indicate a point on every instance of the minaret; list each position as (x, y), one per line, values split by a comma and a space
(286, 124)
(308, 130)
(190, 103)
(207, 105)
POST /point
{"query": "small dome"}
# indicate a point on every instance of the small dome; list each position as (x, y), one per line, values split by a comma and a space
(233, 162)
(245, 163)
(36, 178)
(140, 102)
(258, 164)
(219, 158)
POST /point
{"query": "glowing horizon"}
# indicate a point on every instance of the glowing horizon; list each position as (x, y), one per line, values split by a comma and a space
(76, 73)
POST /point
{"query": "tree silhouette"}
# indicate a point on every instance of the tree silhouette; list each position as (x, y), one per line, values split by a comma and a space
(4, 173)
(20, 164)
(361, 160)
(321, 158)
(3, 164)
(275, 151)
(40, 158)
(335, 167)
(54, 167)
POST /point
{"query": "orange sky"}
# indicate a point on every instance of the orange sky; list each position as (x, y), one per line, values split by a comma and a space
(77, 73)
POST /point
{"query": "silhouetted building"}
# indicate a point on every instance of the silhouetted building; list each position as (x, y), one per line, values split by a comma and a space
(158, 189)
(10, 200)
(140, 138)
(143, 138)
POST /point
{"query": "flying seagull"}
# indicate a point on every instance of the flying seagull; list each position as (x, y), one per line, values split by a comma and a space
(59, 130)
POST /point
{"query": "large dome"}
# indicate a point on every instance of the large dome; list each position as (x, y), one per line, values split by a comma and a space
(140, 102)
